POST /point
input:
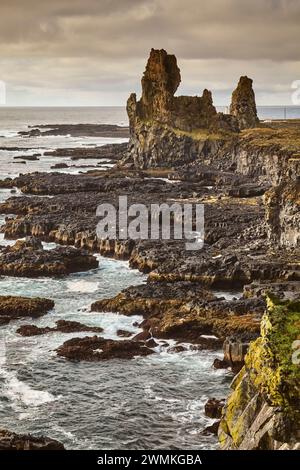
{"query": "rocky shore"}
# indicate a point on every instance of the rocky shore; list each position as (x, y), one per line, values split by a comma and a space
(246, 174)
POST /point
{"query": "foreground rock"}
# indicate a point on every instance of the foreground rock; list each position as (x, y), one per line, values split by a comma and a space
(95, 349)
(18, 307)
(12, 441)
(63, 326)
(28, 258)
(262, 412)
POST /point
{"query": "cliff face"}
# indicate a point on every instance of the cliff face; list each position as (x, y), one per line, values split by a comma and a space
(263, 410)
(283, 213)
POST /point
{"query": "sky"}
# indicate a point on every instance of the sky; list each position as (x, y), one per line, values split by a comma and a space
(93, 52)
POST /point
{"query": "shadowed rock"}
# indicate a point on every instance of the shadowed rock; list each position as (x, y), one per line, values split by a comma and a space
(12, 441)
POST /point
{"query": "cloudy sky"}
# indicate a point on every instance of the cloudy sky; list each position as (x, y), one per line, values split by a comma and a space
(93, 52)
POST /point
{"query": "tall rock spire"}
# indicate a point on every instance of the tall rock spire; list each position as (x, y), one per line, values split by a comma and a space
(243, 105)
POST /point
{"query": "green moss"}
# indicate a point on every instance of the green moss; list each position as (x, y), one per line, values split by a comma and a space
(269, 374)
(283, 138)
(269, 359)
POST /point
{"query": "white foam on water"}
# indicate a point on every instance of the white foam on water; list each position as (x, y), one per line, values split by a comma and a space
(8, 133)
(21, 393)
(112, 322)
(82, 286)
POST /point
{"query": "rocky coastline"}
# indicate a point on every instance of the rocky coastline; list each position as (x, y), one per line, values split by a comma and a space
(246, 173)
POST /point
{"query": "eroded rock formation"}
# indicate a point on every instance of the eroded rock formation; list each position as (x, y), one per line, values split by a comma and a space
(243, 105)
(165, 129)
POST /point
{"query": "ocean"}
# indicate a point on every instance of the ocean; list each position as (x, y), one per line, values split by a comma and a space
(154, 402)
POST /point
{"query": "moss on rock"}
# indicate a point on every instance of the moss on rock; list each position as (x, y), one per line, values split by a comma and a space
(267, 390)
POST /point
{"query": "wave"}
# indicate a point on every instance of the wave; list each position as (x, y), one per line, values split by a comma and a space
(21, 393)
(82, 286)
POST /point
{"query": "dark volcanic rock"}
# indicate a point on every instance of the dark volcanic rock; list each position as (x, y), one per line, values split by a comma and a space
(212, 429)
(64, 326)
(30, 158)
(109, 151)
(12, 441)
(243, 105)
(28, 258)
(185, 311)
(18, 307)
(213, 408)
(98, 349)
(124, 333)
(58, 166)
(77, 130)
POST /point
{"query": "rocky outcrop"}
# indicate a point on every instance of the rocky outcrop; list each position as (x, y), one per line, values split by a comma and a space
(12, 441)
(63, 326)
(243, 105)
(76, 130)
(185, 311)
(262, 412)
(28, 258)
(168, 130)
(95, 349)
(18, 307)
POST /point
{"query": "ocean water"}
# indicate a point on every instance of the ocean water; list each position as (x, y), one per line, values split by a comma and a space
(155, 402)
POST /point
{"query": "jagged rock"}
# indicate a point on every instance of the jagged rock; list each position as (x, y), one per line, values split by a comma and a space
(212, 429)
(98, 349)
(243, 105)
(28, 258)
(160, 122)
(185, 311)
(18, 307)
(262, 412)
(12, 441)
(213, 408)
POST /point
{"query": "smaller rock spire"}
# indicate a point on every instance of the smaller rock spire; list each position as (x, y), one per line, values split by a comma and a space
(243, 105)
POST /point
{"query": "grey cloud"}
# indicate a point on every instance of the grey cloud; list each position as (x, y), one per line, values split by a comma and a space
(91, 45)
